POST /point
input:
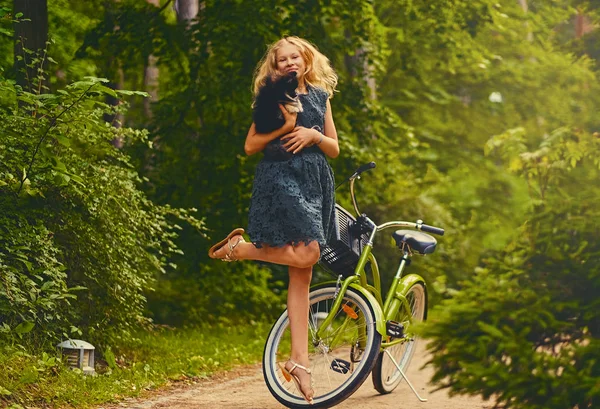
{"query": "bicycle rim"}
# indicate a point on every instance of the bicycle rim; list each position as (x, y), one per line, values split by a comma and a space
(386, 376)
(340, 361)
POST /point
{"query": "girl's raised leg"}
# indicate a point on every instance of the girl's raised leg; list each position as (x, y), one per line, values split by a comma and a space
(301, 255)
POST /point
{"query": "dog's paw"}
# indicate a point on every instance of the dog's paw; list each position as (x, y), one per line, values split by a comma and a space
(294, 108)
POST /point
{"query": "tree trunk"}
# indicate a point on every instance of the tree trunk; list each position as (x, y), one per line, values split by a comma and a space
(151, 74)
(31, 35)
(186, 10)
(583, 24)
(525, 8)
(114, 72)
(358, 64)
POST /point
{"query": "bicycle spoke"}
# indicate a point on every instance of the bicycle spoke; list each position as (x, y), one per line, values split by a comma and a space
(337, 332)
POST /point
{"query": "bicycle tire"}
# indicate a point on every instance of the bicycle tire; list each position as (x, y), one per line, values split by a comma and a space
(331, 386)
(386, 376)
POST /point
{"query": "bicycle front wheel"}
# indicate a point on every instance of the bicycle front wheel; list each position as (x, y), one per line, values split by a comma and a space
(340, 360)
(386, 376)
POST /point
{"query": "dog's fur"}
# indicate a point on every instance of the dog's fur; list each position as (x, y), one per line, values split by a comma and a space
(282, 90)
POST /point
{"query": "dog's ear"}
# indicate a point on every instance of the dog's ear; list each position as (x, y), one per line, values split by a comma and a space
(269, 81)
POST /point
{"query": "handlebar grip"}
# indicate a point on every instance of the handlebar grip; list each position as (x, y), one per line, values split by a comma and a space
(365, 167)
(432, 229)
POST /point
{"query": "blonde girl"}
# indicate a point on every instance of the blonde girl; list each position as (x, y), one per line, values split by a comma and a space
(292, 206)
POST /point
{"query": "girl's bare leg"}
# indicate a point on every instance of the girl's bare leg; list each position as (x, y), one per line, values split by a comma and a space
(297, 306)
(300, 260)
(301, 255)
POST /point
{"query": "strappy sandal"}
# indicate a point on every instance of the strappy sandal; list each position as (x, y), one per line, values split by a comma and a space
(289, 376)
(229, 256)
(226, 240)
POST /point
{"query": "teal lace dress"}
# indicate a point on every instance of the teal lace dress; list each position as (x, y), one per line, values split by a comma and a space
(293, 196)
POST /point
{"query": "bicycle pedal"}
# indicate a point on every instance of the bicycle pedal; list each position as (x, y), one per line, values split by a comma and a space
(394, 329)
(340, 366)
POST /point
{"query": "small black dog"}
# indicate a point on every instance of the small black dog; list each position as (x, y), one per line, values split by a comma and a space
(265, 111)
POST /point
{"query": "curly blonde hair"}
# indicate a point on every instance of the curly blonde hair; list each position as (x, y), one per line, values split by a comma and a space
(319, 72)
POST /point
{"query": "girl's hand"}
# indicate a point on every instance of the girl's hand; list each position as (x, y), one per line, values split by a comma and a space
(300, 138)
(290, 119)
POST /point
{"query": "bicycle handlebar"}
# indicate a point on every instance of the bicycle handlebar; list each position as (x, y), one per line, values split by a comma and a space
(364, 168)
(357, 172)
(431, 229)
(418, 225)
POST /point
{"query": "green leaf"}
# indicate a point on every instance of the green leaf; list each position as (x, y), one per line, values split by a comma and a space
(47, 285)
(24, 327)
(126, 92)
(110, 358)
(27, 263)
(76, 178)
(107, 90)
(30, 375)
(96, 79)
(61, 179)
(58, 165)
(63, 140)
(490, 329)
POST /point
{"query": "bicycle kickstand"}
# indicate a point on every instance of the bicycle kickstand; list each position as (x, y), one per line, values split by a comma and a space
(404, 376)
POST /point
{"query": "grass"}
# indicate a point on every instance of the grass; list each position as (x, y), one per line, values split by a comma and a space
(39, 380)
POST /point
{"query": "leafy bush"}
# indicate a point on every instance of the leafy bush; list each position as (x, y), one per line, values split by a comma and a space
(526, 329)
(80, 243)
(216, 294)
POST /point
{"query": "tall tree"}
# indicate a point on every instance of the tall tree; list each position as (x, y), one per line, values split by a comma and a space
(151, 75)
(31, 35)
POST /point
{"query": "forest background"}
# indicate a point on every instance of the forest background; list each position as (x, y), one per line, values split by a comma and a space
(121, 160)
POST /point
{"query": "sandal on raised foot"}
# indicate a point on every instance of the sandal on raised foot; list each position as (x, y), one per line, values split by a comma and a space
(289, 376)
(226, 240)
(229, 256)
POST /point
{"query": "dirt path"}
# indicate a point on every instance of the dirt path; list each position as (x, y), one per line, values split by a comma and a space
(245, 389)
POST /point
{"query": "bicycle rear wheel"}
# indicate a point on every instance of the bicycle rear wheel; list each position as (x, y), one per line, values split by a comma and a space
(340, 361)
(386, 376)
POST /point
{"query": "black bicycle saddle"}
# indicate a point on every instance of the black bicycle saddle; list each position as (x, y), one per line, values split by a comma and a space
(418, 241)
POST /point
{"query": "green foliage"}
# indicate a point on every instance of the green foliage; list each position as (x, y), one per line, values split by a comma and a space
(153, 359)
(461, 87)
(74, 219)
(229, 297)
(526, 329)
(204, 113)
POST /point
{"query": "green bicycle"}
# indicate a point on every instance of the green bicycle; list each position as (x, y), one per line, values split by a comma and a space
(353, 331)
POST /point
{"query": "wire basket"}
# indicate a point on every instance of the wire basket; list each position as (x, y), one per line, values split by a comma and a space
(341, 253)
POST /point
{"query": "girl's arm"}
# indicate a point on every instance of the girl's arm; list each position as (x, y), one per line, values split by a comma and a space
(302, 137)
(329, 145)
(256, 142)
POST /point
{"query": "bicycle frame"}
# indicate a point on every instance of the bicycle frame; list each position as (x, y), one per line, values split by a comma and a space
(384, 310)
(354, 327)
